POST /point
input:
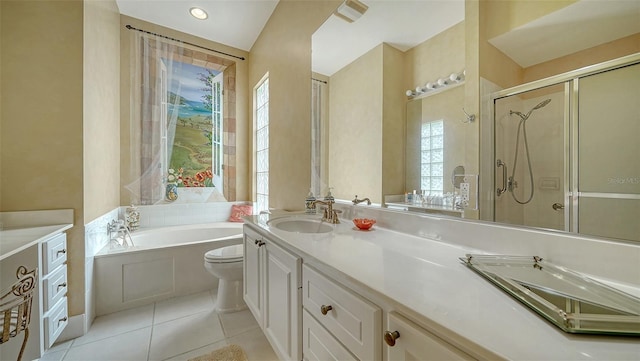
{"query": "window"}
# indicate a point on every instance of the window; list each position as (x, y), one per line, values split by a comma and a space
(261, 99)
(432, 158)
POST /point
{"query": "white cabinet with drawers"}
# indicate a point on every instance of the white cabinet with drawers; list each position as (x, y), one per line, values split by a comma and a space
(352, 320)
(407, 341)
(272, 285)
(308, 311)
(53, 285)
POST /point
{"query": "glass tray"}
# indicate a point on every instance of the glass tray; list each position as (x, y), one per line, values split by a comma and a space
(571, 301)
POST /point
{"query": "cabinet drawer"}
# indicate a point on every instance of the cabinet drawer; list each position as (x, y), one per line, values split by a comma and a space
(54, 252)
(54, 287)
(55, 322)
(354, 321)
(415, 343)
(318, 344)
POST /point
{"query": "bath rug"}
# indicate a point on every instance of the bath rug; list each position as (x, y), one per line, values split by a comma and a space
(227, 353)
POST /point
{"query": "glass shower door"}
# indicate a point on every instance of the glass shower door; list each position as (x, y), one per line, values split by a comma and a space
(531, 158)
(608, 174)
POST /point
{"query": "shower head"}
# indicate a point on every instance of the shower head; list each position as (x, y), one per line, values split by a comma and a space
(542, 104)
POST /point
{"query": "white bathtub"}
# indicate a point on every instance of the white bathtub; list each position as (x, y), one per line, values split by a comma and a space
(163, 263)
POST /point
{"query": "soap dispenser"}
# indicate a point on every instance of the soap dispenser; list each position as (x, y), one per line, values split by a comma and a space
(309, 206)
(329, 196)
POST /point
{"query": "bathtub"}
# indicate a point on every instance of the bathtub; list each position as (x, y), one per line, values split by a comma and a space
(162, 263)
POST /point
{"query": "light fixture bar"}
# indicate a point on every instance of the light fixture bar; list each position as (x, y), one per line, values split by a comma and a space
(351, 10)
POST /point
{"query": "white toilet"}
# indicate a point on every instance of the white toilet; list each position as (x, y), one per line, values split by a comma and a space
(226, 264)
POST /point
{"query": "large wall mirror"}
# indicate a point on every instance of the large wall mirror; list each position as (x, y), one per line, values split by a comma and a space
(368, 126)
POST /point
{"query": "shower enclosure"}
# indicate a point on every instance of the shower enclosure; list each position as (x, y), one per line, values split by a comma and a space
(567, 151)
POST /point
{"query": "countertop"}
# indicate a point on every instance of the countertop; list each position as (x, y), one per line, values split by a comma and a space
(14, 240)
(427, 277)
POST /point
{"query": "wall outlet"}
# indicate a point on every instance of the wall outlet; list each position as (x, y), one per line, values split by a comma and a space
(464, 194)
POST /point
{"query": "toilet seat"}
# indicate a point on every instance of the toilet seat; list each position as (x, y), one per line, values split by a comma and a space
(227, 254)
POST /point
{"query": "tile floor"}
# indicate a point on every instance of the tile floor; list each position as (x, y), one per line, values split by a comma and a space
(174, 329)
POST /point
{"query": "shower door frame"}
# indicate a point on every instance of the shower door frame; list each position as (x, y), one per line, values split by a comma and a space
(571, 81)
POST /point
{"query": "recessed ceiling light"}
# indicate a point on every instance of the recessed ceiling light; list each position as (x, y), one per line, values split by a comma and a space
(198, 13)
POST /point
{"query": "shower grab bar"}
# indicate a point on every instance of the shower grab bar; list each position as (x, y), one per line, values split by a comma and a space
(500, 163)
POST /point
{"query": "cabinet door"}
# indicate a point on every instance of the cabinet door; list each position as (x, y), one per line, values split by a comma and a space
(283, 313)
(253, 284)
(412, 342)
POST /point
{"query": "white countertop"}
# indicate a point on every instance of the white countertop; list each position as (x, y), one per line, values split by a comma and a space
(427, 277)
(14, 240)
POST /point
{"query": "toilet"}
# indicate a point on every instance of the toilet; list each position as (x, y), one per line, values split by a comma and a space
(226, 264)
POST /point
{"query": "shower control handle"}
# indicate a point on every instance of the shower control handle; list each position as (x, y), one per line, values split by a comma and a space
(500, 191)
(557, 206)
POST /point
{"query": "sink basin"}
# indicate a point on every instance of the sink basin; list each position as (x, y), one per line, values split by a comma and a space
(301, 225)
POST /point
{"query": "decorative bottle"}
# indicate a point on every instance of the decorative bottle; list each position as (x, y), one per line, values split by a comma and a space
(329, 196)
(132, 217)
(309, 206)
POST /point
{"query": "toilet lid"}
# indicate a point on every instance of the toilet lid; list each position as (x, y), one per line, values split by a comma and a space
(225, 254)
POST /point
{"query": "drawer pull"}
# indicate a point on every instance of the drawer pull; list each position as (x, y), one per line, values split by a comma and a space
(64, 319)
(325, 309)
(391, 337)
(260, 243)
(61, 285)
(63, 251)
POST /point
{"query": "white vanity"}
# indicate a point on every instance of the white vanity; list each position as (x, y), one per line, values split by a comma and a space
(37, 239)
(385, 294)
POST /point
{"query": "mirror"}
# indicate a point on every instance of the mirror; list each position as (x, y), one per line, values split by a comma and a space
(363, 146)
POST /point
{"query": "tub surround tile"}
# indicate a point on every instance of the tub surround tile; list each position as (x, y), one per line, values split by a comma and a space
(175, 214)
(178, 336)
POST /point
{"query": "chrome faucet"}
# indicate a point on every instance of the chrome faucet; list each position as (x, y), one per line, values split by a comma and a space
(120, 230)
(356, 200)
(330, 215)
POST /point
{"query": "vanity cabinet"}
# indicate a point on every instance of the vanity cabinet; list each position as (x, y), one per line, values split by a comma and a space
(405, 341)
(307, 314)
(348, 318)
(53, 295)
(272, 284)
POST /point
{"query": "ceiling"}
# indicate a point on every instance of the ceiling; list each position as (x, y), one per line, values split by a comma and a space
(400, 23)
(579, 26)
(236, 23)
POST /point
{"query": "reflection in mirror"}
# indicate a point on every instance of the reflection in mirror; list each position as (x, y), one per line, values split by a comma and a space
(586, 183)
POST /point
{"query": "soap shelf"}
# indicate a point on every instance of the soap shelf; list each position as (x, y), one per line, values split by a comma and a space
(573, 302)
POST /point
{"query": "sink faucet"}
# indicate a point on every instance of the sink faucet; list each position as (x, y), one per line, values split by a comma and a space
(356, 200)
(330, 215)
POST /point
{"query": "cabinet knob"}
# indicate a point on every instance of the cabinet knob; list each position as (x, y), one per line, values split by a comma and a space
(391, 337)
(325, 309)
(259, 243)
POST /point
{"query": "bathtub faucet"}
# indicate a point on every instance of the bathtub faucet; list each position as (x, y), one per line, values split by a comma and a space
(118, 230)
(356, 200)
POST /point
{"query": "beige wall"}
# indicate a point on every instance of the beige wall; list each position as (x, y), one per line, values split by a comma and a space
(42, 118)
(283, 50)
(356, 128)
(393, 124)
(101, 108)
(129, 161)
